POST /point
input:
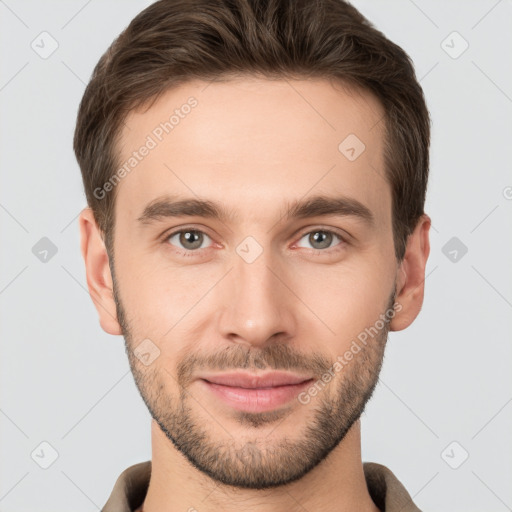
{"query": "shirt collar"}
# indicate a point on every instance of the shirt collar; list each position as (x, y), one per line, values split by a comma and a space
(385, 489)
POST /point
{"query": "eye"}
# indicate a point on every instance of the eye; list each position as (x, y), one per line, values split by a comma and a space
(190, 239)
(322, 239)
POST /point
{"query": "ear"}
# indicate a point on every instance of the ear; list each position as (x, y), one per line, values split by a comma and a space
(410, 281)
(99, 278)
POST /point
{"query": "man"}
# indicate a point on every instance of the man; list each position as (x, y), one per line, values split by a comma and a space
(256, 173)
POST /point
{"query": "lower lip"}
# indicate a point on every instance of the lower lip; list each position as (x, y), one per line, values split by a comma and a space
(256, 400)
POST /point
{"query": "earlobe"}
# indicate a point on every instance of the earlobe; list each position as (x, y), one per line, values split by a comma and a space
(410, 281)
(99, 278)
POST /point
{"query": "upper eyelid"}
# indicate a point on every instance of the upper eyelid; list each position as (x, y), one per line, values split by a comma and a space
(167, 235)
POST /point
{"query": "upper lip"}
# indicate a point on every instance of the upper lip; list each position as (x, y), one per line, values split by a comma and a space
(251, 380)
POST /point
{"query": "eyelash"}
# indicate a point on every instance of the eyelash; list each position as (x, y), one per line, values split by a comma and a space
(191, 253)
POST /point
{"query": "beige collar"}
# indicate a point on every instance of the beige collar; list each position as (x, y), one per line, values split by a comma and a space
(385, 489)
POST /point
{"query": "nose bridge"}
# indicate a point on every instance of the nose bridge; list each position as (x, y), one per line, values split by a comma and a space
(256, 304)
(256, 280)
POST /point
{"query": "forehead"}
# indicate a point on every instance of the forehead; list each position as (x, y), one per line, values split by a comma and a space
(253, 143)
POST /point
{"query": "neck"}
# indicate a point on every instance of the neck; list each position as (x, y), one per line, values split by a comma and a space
(337, 483)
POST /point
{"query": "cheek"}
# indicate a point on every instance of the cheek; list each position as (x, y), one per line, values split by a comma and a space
(147, 291)
(348, 297)
(167, 305)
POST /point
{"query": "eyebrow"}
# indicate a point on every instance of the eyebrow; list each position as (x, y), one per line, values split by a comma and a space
(170, 207)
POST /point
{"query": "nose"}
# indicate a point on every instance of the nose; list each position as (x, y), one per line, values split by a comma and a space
(257, 305)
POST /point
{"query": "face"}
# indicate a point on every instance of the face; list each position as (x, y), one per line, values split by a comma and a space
(285, 268)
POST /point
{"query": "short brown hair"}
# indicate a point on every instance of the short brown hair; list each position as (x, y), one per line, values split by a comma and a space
(175, 41)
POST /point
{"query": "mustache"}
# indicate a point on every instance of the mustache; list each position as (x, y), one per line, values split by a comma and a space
(273, 357)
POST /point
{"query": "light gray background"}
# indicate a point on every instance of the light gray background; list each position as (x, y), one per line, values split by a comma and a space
(446, 378)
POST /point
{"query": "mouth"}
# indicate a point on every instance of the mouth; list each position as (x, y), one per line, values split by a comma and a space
(255, 393)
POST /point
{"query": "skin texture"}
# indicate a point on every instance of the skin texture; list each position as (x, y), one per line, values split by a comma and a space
(255, 146)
